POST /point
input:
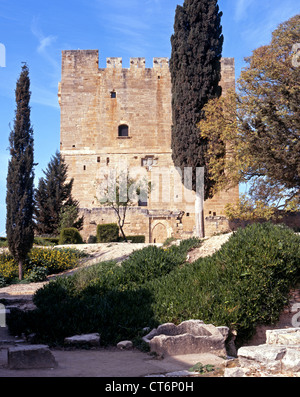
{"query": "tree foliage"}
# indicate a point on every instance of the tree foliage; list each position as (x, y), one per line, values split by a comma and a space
(53, 198)
(195, 74)
(20, 176)
(259, 126)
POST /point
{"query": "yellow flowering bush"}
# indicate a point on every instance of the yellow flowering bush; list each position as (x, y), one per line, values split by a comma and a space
(52, 259)
(55, 260)
(8, 267)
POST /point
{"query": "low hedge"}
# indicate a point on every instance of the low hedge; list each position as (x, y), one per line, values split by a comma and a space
(136, 239)
(70, 235)
(107, 233)
(245, 283)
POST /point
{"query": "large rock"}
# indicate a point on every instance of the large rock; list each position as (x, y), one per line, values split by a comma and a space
(189, 337)
(30, 357)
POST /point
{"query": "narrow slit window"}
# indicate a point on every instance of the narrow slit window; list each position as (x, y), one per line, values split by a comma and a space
(98, 159)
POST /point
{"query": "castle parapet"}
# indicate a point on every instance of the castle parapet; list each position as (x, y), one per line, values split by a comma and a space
(161, 63)
(137, 63)
(114, 63)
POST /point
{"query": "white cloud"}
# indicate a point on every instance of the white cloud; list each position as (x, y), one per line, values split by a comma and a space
(44, 42)
(241, 8)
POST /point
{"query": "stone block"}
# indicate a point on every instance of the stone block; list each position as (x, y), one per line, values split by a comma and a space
(263, 355)
(189, 337)
(287, 336)
(85, 339)
(30, 357)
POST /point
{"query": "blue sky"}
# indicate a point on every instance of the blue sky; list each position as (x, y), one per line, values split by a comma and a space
(37, 31)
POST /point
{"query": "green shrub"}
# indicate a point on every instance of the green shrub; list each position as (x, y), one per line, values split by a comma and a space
(3, 282)
(105, 298)
(107, 233)
(70, 236)
(245, 283)
(46, 241)
(37, 274)
(136, 239)
(3, 242)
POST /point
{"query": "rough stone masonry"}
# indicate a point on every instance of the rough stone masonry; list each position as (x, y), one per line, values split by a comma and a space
(118, 117)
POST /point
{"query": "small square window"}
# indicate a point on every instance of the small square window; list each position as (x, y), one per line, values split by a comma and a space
(98, 159)
(113, 94)
(142, 203)
(123, 130)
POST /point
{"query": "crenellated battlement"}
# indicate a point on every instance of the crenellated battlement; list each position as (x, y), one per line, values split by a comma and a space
(89, 59)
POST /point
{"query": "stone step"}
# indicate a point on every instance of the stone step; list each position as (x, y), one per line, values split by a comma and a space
(31, 357)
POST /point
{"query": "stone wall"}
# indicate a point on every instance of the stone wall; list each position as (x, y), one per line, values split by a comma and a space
(96, 103)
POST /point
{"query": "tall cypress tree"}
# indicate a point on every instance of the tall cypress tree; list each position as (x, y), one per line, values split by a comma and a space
(20, 177)
(53, 194)
(195, 74)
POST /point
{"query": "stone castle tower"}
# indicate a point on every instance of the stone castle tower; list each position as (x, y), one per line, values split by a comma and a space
(115, 116)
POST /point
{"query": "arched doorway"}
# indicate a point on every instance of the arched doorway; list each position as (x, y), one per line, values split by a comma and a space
(159, 233)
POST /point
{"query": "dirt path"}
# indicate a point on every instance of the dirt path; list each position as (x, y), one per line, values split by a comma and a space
(110, 363)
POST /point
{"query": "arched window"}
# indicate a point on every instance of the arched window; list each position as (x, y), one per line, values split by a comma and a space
(123, 130)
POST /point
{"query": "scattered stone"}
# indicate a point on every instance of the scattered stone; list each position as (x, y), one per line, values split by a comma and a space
(291, 360)
(287, 336)
(184, 373)
(235, 372)
(267, 356)
(125, 345)
(30, 357)
(262, 353)
(280, 356)
(85, 339)
(189, 337)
